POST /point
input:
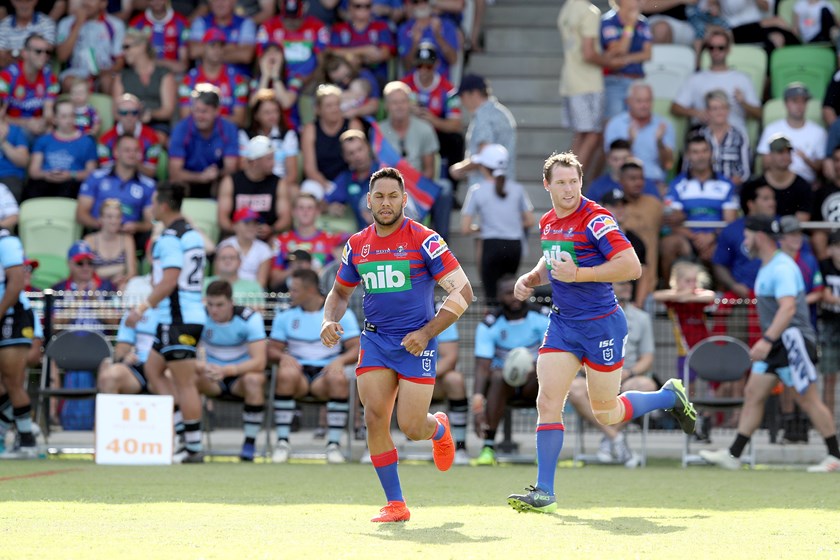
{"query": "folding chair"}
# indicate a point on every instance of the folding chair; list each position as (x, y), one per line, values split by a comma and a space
(668, 69)
(812, 65)
(580, 455)
(76, 350)
(714, 359)
(48, 226)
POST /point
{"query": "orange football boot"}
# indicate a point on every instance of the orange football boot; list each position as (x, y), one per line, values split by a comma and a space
(443, 450)
(394, 512)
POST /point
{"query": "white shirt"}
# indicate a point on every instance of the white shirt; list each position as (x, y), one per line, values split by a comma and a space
(693, 92)
(251, 261)
(8, 204)
(810, 139)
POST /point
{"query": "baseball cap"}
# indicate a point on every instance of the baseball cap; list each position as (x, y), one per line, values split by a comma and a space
(257, 147)
(214, 35)
(762, 223)
(426, 53)
(472, 82)
(299, 255)
(789, 224)
(612, 197)
(245, 214)
(796, 89)
(80, 250)
(493, 156)
(779, 143)
(291, 8)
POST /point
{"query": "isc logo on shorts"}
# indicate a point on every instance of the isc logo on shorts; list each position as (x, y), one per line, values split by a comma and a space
(386, 276)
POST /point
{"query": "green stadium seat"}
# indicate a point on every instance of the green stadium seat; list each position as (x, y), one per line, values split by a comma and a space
(662, 107)
(104, 106)
(48, 226)
(162, 172)
(51, 269)
(749, 59)
(812, 65)
(668, 69)
(203, 214)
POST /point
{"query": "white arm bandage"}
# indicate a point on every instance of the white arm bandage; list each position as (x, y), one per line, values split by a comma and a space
(454, 284)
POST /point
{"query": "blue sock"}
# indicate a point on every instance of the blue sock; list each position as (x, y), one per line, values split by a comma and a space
(549, 445)
(641, 403)
(386, 469)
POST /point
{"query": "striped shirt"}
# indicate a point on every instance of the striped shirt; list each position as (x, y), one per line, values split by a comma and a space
(731, 157)
(12, 36)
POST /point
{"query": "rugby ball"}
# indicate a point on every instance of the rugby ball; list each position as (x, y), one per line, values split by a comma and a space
(519, 364)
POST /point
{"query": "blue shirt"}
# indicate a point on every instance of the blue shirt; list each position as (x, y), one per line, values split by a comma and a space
(16, 137)
(181, 247)
(134, 195)
(780, 278)
(605, 183)
(730, 252)
(65, 155)
(644, 146)
(241, 31)
(351, 189)
(301, 332)
(702, 202)
(199, 152)
(611, 31)
(448, 30)
(496, 336)
(227, 343)
(141, 336)
(450, 334)
(11, 254)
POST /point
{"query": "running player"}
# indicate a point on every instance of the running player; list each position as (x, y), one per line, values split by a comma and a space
(399, 261)
(234, 341)
(583, 252)
(178, 275)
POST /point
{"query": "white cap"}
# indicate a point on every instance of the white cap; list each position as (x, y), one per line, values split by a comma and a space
(494, 157)
(257, 147)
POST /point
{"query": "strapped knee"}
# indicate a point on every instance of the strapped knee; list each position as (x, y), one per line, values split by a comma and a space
(608, 412)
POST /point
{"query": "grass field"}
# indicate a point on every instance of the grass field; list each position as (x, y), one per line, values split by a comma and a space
(74, 509)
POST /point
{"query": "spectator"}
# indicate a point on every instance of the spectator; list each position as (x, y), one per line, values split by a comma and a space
(699, 195)
(226, 265)
(831, 102)
(826, 208)
(490, 123)
(129, 109)
(691, 100)
(668, 21)
(240, 32)
(453, 388)
(351, 186)
(9, 209)
(369, 41)
(87, 119)
(792, 242)
(17, 27)
(256, 255)
(203, 147)
(830, 319)
(306, 236)
(257, 188)
(793, 193)
(730, 145)
(618, 153)
(62, 159)
(82, 278)
(150, 80)
(274, 77)
(499, 210)
(626, 43)
(14, 157)
(360, 90)
(169, 32)
(749, 24)
(90, 42)
(28, 88)
(613, 202)
(321, 146)
(423, 25)
(814, 21)
(651, 136)
(642, 214)
(115, 256)
(304, 38)
(122, 182)
(233, 89)
(295, 335)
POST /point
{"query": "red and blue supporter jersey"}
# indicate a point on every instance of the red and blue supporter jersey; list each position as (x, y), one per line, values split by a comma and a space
(377, 33)
(591, 236)
(25, 99)
(320, 246)
(441, 98)
(233, 88)
(301, 47)
(167, 35)
(149, 144)
(399, 273)
(240, 31)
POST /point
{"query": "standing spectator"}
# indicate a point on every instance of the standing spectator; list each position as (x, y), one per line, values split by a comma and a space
(129, 111)
(793, 193)
(304, 39)
(203, 147)
(423, 25)
(627, 43)
(642, 215)
(9, 209)
(499, 210)
(351, 186)
(90, 41)
(28, 88)
(115, 257)
(147, 78)
(169, 33)
(256, 254)
(62, 159)
(239, 31)
(369, 41)
(618, 154)
(14, 157)
(730, 145)
(830, 319)
(16, 28)
(233, 88)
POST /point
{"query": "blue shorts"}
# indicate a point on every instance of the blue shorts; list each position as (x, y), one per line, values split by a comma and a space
(382, 351)
(597, 343)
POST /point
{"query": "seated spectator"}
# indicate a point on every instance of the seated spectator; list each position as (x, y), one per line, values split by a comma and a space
(148, 79)
(814, 21)
(351, 187)
(730, 145)
(256, 254)
(423, 25)
(830, 319)
(367, 40)
(240, 32)
(691, 100)
(613, 202)
(747, 20)
(274, 77)
(808, 139)
(17, 27)
(9, 209)
(794, 195)
(669, 22)
(792, 242)
(360, 89)
(28, 88)
(618, 153)
(14, 157)
(641, 214)
(62, 159)
(651, 136)
(90, 42)
(306, 367)
(226, 264)
(235, 356)
(88, 120)
(826, 208)
(296, 260)
(168, 31)
(122, 182)
(305, 236)
(302, 35)
(699, 195)
(82, 278)
(233, 88)
(203, 147)
(268, 120)
(626, 43)
(320, 144)
(831, 103)
(129, 111)
(115, 256)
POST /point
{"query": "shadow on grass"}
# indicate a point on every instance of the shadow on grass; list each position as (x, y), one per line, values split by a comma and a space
(445, 534)
(627, 525)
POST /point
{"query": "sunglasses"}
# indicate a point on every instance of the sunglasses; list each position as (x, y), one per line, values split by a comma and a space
(39, 51)
(717, 47)
(361, 6)
(126, 112)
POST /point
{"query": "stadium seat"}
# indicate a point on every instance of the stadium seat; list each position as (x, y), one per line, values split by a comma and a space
(48, 226)
(51, 270)
(668, 68)
(749, 59)
(774, 110)
(716, 359)
(203, 214)
(812, 65)
(662, 107)
(162, 171)
(104, 106)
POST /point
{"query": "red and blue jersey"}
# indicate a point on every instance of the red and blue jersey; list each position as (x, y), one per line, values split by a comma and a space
(233, 88)
(86, 118)
(168, 35)
(320, 246)
(25, 99)
(377, 33)
(240, 31)
(612, 29)
(590, 236)
(149, 144)
(399, 273)
(440, 98)
(301, 47)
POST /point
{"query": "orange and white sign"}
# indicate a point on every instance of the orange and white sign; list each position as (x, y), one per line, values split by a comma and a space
(134, 429)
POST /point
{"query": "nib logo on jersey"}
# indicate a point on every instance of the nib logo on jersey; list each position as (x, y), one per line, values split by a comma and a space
(382, 277)
(558, 251)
